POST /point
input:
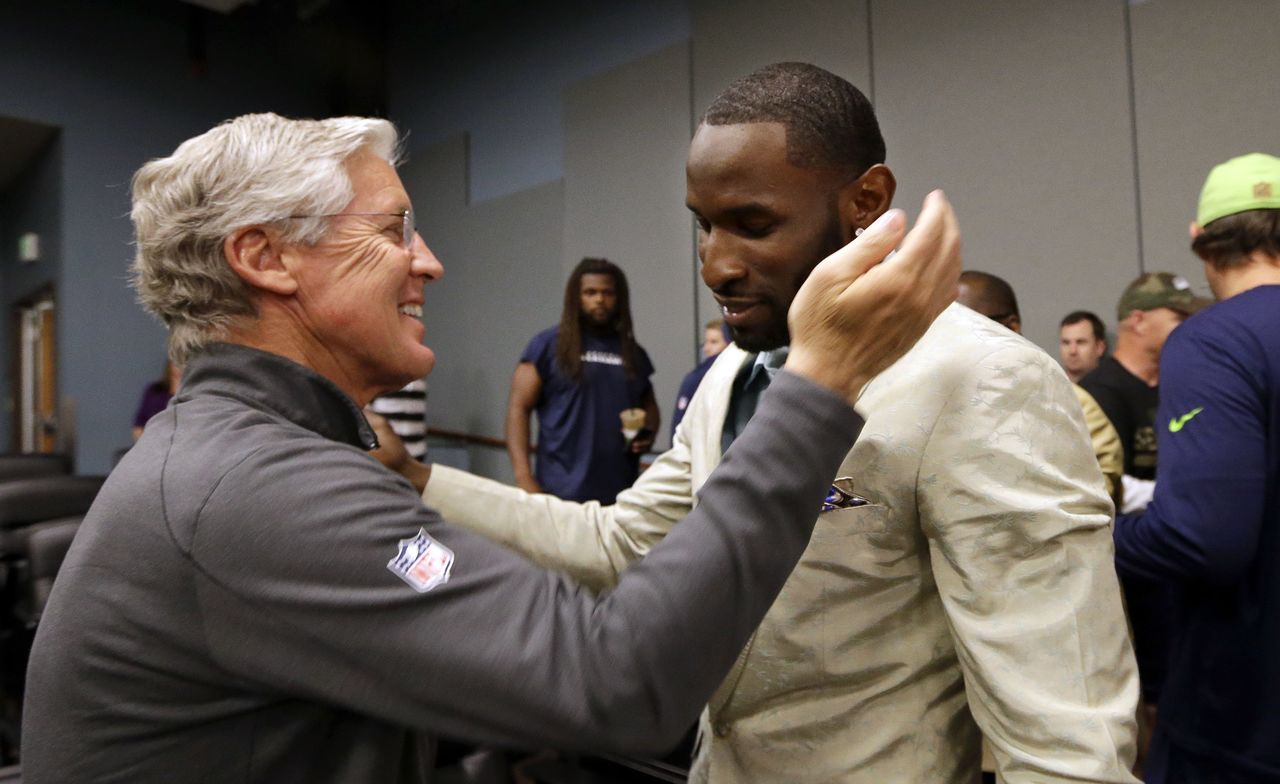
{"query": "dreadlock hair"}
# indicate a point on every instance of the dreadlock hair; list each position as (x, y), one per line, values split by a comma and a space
(829, 123)
(569, 339)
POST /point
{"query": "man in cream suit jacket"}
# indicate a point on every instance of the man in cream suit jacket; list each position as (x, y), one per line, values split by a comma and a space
(960, 578)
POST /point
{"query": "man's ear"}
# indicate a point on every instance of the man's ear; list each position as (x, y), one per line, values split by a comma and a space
(254, 254)
(865, 199)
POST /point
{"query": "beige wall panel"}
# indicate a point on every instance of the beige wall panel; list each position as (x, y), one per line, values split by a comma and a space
(731, 38)
(626, 133)
(1020, 111)
(1207, 88)
(502, 284)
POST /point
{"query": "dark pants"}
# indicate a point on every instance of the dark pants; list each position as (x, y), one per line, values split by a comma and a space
(1169, 764)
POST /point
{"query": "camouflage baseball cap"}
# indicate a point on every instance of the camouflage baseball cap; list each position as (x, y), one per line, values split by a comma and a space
(1160, 290)
(1249, 182)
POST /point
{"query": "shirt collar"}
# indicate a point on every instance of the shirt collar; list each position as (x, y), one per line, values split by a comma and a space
(282, 386)
(773, 361)
(769, 362)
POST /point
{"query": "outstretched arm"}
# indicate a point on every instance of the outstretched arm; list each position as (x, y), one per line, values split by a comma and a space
(526, 386)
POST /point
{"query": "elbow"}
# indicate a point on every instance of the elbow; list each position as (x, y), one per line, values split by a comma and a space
(1225, 567)
(651, 738)
(641, 721)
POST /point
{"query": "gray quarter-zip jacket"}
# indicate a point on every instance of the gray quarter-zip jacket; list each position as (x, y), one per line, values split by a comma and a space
(251, 599)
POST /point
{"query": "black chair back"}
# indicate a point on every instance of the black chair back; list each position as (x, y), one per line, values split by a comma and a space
(40, 498)
(19, 465)
(47, 546)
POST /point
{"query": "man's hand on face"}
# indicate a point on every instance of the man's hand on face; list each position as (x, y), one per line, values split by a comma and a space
(857, 313)
(392, 454)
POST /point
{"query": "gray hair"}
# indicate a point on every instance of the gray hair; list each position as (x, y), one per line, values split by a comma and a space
(255, 169)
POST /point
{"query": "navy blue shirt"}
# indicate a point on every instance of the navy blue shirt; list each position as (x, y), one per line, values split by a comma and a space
(689, 385)
(1213, 531)
(582, 455)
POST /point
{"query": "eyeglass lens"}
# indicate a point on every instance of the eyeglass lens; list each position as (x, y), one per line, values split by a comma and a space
(409, 229)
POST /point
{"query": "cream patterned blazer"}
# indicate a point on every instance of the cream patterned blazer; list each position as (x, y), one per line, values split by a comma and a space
(975, 591)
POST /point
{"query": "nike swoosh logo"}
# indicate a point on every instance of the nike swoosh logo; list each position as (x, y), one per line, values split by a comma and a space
(1177, 423)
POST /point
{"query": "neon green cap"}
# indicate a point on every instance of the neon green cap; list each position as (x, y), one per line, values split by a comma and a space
(1250, 182)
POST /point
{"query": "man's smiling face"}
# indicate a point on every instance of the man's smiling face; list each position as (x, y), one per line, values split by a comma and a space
(763, 225)
(360, 288)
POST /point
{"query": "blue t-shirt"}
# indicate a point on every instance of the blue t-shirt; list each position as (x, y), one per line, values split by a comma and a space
(1213, 532)
(582, 455)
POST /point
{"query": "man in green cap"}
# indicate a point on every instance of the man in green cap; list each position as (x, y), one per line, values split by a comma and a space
(1212, 530)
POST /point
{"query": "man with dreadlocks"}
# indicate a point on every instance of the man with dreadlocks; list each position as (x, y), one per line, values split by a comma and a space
(580, 376)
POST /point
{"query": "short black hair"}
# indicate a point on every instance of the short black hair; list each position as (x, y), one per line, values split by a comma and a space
(830, 124)
(994, 295)
(1076, 316)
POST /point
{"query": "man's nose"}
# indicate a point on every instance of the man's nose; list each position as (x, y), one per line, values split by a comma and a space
(721, 262)
(425, 264)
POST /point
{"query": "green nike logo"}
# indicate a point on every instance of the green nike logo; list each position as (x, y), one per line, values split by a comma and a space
(1177, 423)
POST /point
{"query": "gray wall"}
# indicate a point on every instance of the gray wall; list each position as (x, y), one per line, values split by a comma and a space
(492, 297)
(501, 80)
(116, 78)
(624, 199)
(1030, 139)
(1205, 89)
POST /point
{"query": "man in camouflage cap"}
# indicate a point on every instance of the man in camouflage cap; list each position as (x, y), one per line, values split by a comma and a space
(1126, 386)
(1212, 531)
(1125, 383)
(1155, 290)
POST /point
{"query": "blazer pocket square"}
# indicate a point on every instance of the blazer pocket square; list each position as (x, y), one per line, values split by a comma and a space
(842, 496)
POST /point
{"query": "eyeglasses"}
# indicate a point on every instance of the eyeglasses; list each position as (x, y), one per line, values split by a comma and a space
(407, 227)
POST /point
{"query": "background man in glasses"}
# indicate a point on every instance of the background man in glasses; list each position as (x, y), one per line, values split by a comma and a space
(962, 567)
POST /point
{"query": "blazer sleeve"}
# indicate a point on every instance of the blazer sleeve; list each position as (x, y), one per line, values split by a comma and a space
(590, 542)
(1019, 526)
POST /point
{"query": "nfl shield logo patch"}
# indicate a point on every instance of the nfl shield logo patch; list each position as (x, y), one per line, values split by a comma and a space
(422, 562)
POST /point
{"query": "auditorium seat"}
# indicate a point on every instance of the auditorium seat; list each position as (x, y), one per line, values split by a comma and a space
(38, 519)
(19, 465)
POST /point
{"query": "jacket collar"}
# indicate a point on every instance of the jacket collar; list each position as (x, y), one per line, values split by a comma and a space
(273, 383)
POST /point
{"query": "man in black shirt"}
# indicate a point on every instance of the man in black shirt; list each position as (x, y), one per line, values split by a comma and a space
(1126, 382)
(1126, 386)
